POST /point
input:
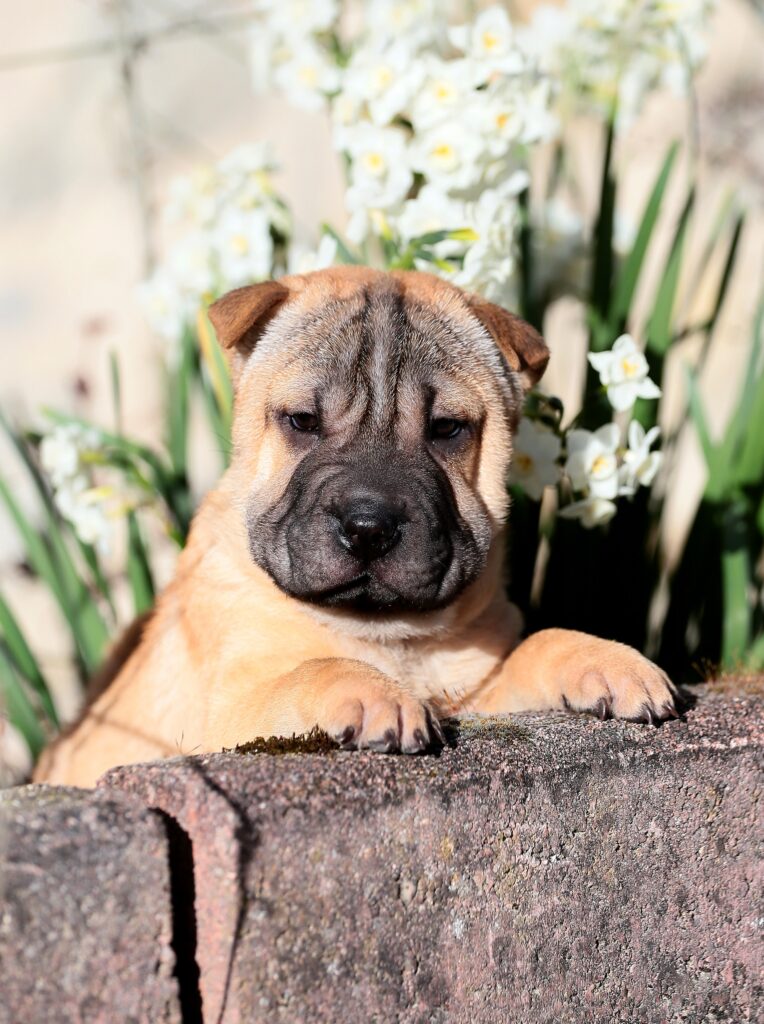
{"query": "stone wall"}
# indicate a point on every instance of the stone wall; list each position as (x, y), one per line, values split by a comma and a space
(544, 868)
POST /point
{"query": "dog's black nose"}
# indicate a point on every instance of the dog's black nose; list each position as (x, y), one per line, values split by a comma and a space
(369, 529)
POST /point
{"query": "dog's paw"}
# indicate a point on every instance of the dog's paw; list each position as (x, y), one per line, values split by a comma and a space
(379, 717)
(612, 680)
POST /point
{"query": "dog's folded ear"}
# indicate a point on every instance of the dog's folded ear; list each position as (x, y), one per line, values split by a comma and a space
(521, 345)
(241, 316)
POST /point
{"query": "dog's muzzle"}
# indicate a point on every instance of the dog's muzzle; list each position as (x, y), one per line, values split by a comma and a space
(368, 524)
(373, 534)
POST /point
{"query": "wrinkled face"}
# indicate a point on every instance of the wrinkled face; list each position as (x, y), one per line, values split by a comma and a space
(372, 437)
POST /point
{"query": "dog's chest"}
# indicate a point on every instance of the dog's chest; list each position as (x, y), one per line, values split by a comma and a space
(446, 677)
(451, 670)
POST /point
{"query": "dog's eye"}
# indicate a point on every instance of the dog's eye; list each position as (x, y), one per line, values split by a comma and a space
(307, 422)
(445, 428)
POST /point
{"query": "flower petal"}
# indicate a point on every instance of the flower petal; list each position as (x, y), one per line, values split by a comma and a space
(607, 488)
(623, 396)
(636, 435)
(608, 436)
(600, 360)
(625, 343)
(648, 389)
(578, 440)
(652, 436)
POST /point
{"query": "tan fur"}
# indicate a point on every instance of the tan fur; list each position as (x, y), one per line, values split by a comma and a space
(228, 656)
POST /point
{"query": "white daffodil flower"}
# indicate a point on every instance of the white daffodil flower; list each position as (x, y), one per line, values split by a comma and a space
(445, 88)
(308, 76)
(380, 174)
(640, 465)
(242, 177)
(591, 49)
(194, 197)
(243, 246)
(228, 211)
(346, 111)
(190, 263)
(62, 449)
(85, 508)
(432, 210)
(489, 264)
(539, 121)
(625, 373)
(69, 454)
(592, 462)
(419, 22)
(60, 454)
(247, 159)
(546, 34)
(386, 81)
(490, 41)
(305, 16)
(304, 260)
(449, 155)
(591, 511)
(499, 113)
(163, 304)
(534, 461)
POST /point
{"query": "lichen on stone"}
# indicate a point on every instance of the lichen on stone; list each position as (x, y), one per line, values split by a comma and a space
(500, 725)
(314, 742)
(737, 684)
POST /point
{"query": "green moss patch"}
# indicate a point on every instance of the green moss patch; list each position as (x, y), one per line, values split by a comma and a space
(314, 742)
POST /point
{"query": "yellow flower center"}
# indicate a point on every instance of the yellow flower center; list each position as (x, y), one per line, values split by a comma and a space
(490, 40)
(601, 466)
(263, 181)
(399, 16)
(94, 495)
(630, 366)
(308, 76)
(344, 109)
(443, 153)
(443, 91)
(374, 163)
(240, 245)
(523, 462)
(383, 76)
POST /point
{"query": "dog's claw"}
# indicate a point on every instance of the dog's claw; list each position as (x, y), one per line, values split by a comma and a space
(435, 727)
(602, 709)
(346, 739)
(418, 743)
(644, 715)
(388, 744)
(420, 739)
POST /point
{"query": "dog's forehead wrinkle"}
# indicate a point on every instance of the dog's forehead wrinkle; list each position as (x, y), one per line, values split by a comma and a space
(382, 356)
(343, 407)
(457, 335)
(317, 328)
(385, 343)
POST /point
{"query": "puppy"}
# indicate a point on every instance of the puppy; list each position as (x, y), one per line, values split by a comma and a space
(348, 571)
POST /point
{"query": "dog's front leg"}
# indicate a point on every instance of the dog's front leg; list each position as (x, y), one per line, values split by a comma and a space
(560, 668)
(353, 702)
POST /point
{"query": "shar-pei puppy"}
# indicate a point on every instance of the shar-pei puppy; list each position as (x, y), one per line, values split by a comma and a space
(348, 571)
